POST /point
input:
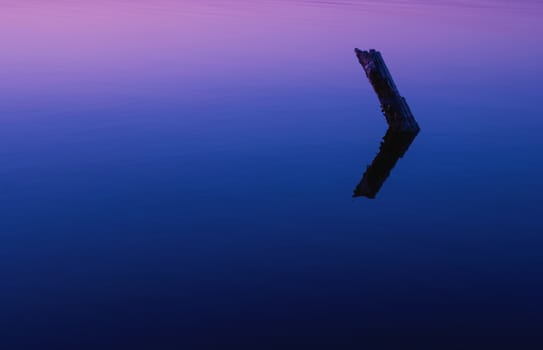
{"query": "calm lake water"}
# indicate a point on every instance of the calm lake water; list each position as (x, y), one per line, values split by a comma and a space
(178, 175)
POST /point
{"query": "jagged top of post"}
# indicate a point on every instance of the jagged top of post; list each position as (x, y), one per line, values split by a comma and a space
(366, 57)
(370, 51)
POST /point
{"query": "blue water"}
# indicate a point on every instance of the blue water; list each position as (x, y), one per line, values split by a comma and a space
(209, 207)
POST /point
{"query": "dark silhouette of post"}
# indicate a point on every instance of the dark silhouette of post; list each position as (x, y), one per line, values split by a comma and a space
(394, 106)
(393, 147)
(402, 126)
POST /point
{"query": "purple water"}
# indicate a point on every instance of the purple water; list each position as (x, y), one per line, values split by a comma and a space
(178, 175)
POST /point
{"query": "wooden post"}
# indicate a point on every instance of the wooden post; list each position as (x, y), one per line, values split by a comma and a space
(394, 106)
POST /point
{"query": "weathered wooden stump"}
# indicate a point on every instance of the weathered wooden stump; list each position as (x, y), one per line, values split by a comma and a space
(393, 147)
(394, 106)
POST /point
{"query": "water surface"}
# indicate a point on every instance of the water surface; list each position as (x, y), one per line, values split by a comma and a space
(178, 175)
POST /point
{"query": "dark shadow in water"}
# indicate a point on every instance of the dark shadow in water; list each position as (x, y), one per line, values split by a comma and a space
(393, 147)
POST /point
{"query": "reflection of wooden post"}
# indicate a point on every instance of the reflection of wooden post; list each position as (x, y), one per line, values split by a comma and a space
(393, 147)
(394, 106)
